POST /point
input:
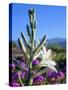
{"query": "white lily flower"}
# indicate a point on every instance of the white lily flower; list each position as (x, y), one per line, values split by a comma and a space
(46, 56)
(51, 67)
(49, 62)
(47, 59)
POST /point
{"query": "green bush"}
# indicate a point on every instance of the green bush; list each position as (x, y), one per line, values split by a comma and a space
(56, 47)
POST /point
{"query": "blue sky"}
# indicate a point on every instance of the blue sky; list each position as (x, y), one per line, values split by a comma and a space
(51, 20)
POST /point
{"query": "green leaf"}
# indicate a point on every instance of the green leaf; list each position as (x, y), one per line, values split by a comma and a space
(43, 71)
(25, 40)
(19, 76)
(35, 24)
(31, 11)
(23, 48)
(37, 42)
(18, 65)
(36, 51)
(28, 30)
(49, 66)
(32, 18)
(39, 73)
(30, 15)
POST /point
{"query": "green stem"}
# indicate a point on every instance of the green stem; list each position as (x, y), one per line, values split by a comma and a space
(20, 78)
(31, 17)
(30, 82)
(39, 73)
(30, 79)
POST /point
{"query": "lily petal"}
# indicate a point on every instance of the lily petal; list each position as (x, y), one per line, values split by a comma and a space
(48, 54)
(49, 62)
(49, 66)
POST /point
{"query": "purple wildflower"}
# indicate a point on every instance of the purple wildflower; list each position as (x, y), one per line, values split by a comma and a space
(22, 64)
(22, 74)
(12, 65)
(60, 75)
(35, 62)
(27, 68)
(15, 76)
(52, 74)
(15, 84)
(38, 78)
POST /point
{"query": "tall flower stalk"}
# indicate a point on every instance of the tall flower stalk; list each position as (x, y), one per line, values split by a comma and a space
(30, 50)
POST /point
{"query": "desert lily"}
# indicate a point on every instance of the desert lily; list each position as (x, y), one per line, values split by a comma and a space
(46, 59)
(31, 52)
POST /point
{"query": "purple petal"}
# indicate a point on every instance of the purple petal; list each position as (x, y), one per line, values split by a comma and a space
(22, 65)
(15, 84)
(52, 74)
(60, 75)
(12, 65)
(35, 62)
(38, 78)
(15, 75)
(22, 74)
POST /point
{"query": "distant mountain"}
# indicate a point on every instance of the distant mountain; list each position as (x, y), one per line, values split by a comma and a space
(59, 41)
(54, 40)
